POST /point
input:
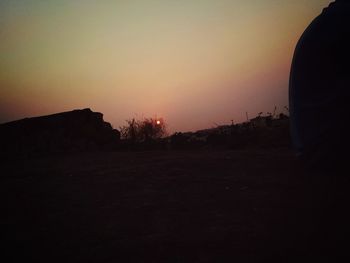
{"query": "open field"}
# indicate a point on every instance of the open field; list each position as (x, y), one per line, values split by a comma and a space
(169, 206)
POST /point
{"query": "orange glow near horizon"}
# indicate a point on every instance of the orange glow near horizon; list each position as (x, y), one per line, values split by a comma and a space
(193, 62)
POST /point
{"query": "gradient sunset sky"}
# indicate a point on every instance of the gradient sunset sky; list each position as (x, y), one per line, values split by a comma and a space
(192, 62)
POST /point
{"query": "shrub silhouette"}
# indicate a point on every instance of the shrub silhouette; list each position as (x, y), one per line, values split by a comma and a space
(144, 130)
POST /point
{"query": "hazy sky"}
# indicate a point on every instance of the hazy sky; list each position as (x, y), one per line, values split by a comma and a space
(193, 62)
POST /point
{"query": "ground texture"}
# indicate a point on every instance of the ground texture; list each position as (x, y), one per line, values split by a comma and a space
(190, 206)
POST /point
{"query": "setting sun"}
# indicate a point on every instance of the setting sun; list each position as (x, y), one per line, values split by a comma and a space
(229, 57)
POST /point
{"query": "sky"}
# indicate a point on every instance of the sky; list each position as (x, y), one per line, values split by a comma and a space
(196, 63)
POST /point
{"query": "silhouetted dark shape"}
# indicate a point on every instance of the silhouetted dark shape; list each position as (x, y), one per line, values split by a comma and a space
(76, 130)
(319, 88)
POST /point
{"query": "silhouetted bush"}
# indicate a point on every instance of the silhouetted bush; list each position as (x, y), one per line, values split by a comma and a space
(145, 130)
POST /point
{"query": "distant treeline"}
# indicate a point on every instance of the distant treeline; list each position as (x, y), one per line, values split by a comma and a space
(261, 131)
(85, 130)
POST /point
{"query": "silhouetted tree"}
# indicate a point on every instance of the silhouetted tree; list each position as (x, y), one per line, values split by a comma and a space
(144, 130)
(130, 131)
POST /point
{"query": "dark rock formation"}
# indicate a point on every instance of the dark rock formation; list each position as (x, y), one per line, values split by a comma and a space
(77, 130)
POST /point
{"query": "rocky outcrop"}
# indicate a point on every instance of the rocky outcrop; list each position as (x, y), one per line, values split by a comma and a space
(77, 130)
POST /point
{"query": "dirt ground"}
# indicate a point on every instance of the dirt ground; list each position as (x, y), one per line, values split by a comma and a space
(171, 206)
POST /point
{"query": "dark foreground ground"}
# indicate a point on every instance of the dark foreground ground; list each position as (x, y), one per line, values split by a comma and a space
(200, 206)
